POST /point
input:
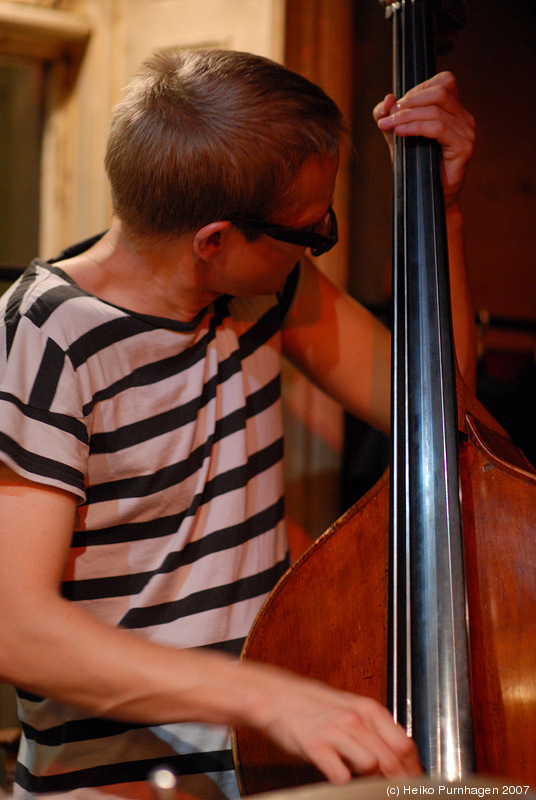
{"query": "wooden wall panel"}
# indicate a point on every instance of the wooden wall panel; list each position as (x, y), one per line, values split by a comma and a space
(318, 45)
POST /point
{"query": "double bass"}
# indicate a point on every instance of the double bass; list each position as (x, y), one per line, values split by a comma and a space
(423, 594)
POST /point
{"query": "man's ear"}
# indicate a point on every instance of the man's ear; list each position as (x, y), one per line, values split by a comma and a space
(209, 240)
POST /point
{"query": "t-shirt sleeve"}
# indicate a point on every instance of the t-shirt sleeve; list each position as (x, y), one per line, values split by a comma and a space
(43, 432)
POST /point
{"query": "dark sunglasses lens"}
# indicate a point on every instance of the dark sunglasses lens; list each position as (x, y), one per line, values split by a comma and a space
(320, 239)
(325, 226)
(329, 234)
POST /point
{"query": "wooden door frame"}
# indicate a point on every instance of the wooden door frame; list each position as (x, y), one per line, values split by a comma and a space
(319, 45)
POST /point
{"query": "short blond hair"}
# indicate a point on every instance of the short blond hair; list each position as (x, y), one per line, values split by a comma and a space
(203, 135)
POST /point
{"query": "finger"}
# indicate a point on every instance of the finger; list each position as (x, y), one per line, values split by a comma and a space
(331, 763)
(450, 137)
(396, 755)
(442, 84)
(432, 122)
(440, 91)
(384, 108)
(399, 744)
(395, 752)
(340, 751)
(453, 114)
(371, 743)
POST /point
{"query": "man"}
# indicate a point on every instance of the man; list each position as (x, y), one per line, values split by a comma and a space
(141, 488)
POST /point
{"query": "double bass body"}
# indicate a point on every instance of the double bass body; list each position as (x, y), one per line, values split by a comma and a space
(327, 618)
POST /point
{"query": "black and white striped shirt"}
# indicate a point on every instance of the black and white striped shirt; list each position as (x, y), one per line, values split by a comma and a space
(170, 435)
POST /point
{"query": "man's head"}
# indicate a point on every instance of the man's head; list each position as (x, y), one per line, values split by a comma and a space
(214, 134)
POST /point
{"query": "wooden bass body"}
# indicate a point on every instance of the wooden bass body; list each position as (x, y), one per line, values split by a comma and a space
(327, 617)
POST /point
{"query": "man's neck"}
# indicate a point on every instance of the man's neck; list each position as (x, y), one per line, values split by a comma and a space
(157, 278)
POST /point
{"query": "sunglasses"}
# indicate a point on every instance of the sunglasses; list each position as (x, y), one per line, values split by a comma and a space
(319, 238)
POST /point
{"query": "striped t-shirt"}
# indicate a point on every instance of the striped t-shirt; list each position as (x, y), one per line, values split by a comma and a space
(170, 434)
